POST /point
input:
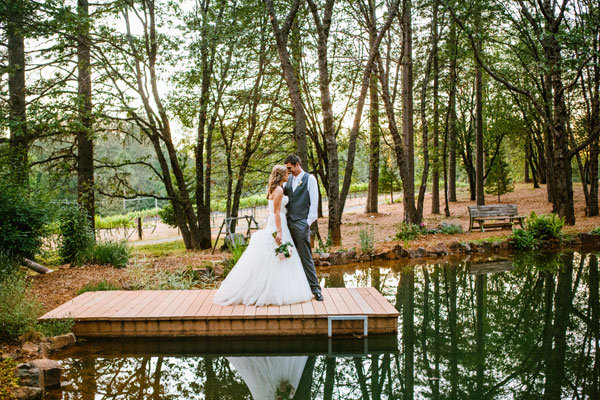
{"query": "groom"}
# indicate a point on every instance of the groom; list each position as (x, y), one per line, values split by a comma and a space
(303, 195)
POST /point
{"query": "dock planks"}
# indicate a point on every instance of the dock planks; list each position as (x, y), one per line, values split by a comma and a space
(181, 313)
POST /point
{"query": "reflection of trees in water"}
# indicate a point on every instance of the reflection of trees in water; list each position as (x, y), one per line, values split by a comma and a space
(529, 333)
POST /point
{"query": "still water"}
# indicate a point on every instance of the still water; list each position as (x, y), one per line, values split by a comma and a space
(526, 328)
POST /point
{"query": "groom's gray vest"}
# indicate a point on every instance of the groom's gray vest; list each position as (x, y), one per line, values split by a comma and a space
(299, 202)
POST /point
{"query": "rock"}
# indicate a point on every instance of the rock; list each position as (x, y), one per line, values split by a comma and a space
(380, 255)
(28, 393)
(324, 264)
(30, 348)
(50, 371)
(506, 244)
(417, 253)
(485, 247)
(364, 257)
(316, 256)
(324, 256)
(58, 342)
(12, 356)
(28, 374)
(496, 245)
(395, 253)
(439, 249)
(337, 258)
(467, 248)
(456, 247)
(350, 256)
(587, 238)
(218, 269)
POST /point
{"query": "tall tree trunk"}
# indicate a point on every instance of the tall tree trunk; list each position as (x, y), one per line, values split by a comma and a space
(19, 138)
(435, 178)
(594, 305)
(408, 184)
(407, 287)
(281, 38)
(480, 294)
(555, 369)
(85, 132)
(322, 27)
(479, 161)
(373, 190)
(453, 42)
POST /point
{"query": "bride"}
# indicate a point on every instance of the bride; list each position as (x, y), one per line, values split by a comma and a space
(260, 277)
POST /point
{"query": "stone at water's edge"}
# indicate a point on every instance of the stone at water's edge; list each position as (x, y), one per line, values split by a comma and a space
(50, 371)
(29, 393)
(28, 375)
(30, 348)
(58, 342)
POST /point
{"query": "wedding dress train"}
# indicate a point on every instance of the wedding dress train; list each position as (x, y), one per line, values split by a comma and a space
(260, 277)
(265, 376)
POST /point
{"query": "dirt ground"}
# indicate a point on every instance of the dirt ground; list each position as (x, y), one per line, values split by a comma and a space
(62, 285)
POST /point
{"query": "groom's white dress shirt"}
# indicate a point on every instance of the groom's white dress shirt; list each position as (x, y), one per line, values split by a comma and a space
(313, 193)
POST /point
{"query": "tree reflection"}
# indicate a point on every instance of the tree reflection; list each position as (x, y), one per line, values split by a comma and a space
(531, 332)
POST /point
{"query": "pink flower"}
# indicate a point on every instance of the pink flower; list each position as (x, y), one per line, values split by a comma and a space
(281, 256)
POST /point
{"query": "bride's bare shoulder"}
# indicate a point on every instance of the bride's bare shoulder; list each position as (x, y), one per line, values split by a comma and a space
(277, 193)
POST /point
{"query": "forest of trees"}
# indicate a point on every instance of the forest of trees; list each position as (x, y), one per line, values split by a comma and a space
(193, 101)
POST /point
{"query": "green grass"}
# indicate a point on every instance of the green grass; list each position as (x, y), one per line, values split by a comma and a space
(491, 239)
(160, 249)
(98, 287)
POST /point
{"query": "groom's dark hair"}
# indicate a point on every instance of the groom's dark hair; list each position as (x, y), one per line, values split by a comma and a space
(292, 159)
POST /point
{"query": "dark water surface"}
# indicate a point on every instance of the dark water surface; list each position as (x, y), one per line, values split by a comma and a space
(522, 329)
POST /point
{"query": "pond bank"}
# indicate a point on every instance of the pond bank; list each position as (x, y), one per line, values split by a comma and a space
(484, 247)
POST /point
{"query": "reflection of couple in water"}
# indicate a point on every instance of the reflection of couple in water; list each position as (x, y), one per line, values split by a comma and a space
(275, 378)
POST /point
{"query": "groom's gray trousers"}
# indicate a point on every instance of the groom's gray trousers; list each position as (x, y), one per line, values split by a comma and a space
(301, 234)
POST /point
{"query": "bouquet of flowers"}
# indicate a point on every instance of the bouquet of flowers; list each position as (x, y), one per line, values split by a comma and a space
(284, 250)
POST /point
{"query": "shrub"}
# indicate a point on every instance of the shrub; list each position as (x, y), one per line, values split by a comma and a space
(98, 287)
(544, 227)
(8, 379)
(18, 311)
(56, 327)
(367, 240)
(77, 237)
(167, 215)
(449, 229)
(8, 265)
(524, 240)
(22, 222)
(324, 247)
(236, 245)
(110, 253)
(595, 231)
(407, 231)
(143, 278)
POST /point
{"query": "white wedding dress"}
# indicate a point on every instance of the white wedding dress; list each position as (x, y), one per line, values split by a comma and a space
(265, 375)
(260, 277)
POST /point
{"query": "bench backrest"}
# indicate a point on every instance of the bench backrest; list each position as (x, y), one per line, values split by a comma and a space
(496, 210)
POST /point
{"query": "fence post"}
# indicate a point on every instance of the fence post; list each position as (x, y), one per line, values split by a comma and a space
(139, 227)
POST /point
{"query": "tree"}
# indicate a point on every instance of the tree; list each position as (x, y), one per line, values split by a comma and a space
(498, 180)
(85, 132)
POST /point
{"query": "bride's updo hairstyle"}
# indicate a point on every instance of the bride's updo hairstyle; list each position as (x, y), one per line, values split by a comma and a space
(276, 178)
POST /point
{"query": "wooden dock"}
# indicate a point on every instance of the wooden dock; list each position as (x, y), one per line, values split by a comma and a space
(181, 313)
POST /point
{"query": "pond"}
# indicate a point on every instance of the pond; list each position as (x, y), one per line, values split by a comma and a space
(526, 328)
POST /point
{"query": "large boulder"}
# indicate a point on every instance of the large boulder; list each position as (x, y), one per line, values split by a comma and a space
(29, 393)
(58, 342)
(50, 372)
(28, 375)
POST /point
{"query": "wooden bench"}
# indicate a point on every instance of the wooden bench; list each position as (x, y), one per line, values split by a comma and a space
(494, 216)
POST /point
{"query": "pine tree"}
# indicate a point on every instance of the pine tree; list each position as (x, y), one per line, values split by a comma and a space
(498, 181)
